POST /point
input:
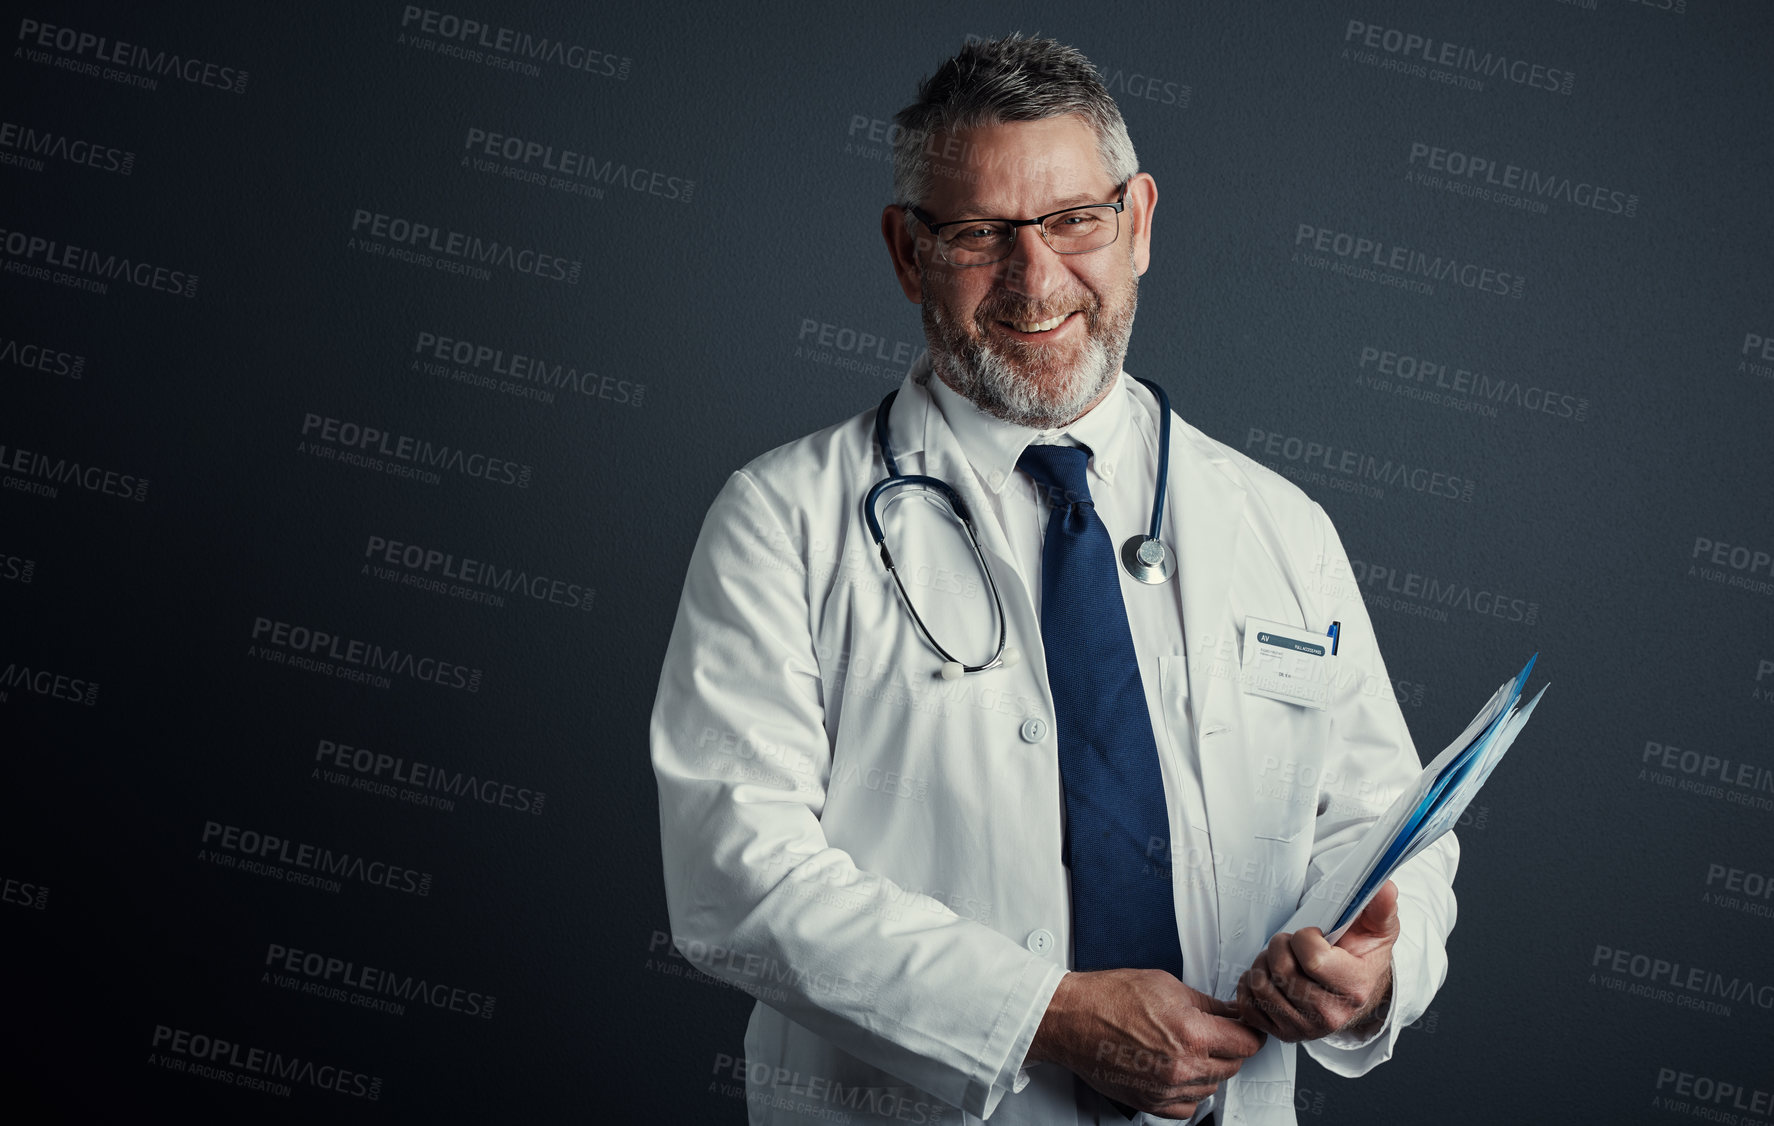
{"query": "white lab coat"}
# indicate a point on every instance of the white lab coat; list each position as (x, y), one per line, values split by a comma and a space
(875, 852)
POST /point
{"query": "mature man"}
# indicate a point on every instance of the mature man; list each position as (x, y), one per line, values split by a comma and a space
(1012, 830)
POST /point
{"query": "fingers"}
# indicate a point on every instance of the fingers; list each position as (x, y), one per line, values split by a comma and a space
(1234, 1041)
(1302, 988)
(1159, 1083)
(1267, 1007)
(1309, 954)
(1220, 1031)
(1281, 987)
(1152, 1042)
(1183, 1109)
(1210, 1004)
(1252, 1014)
(1376, 926)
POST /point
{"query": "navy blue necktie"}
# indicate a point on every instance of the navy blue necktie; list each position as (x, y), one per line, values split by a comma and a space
(1117, 826)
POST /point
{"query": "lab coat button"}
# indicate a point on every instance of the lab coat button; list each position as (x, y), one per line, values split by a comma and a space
(1040, 940)
(1034, 729)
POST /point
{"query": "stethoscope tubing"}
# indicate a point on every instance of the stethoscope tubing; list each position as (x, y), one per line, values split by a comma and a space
(895, 479)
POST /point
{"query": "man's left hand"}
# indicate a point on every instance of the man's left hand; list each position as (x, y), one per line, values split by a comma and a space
(1302, 987)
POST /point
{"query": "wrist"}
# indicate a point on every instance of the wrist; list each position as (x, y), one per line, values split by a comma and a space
(1044, 1048)
(1374, 1015)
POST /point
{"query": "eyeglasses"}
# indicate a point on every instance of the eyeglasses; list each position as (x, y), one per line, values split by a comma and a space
(1071, 230)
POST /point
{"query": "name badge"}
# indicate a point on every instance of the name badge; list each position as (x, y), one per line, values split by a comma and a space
(1286, 663)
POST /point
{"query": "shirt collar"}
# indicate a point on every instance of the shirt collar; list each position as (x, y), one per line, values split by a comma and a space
(993, 445)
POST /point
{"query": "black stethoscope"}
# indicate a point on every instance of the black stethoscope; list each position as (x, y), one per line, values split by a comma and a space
(1145, 557)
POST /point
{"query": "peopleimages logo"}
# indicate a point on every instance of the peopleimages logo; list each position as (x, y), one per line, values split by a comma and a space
(1724, 563)
(1486, 178)
(402, 455)
(1356, 471)
(1452, 63)
(1445, 384)
(270, 855)
(472, 580)
(840, 346)
(1707, 775)
(365, 986)
(502, 47)
(530, 161)
(1757, 346)
(433, 247)
(1714, 1100)
(1739, 889)
(44, 475)
(212, 1057)
(17, 568)
(1130, 84)
(22, 893)
(1689, 987)
(26, 147)
(1386, 586)
(78, 47)
(419, 783)
(517, 373)
(41, 357)
(47, 683)
(817, 1096)
(351, 659)
(1361, 256)
(47, 259)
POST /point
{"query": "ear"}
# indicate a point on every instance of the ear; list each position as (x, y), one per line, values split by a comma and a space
(1142, 200)
(902, 247)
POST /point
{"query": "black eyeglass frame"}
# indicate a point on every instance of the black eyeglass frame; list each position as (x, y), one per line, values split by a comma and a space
(1039, 222)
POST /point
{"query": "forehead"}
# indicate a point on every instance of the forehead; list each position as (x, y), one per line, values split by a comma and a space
(1015, 168)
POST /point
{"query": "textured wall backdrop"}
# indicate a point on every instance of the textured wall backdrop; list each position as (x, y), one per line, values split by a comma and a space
(365, 371)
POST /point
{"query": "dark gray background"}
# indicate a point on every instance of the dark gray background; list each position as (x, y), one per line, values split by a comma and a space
(704, 303)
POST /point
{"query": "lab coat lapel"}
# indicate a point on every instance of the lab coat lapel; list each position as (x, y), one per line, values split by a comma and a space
(1206, 507)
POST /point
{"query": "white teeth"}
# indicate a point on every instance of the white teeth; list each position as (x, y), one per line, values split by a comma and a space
(1038, 326)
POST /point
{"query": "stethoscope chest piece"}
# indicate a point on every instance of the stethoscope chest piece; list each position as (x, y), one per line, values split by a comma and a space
(1148, 560)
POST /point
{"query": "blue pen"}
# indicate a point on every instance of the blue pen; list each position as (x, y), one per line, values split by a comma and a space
(1336, 628)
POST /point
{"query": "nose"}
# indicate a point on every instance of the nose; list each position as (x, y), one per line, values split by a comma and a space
(1032, 269)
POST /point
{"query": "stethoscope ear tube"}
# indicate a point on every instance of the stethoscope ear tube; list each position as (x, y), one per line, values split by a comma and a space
(1145, 557)
(951, 663)
(1163, 477)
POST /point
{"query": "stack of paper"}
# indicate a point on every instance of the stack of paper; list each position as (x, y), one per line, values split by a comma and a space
(1421, 814)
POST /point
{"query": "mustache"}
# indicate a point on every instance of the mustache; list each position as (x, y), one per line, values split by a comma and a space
(1011, 307)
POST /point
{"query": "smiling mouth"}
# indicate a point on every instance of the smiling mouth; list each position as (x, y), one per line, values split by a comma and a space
(1038, 326)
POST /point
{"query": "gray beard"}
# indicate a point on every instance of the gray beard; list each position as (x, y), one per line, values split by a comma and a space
(996, 384)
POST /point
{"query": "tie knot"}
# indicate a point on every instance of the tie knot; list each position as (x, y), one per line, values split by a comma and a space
(1060, 471)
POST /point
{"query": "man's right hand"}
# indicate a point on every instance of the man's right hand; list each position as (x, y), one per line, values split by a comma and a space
(1143, 1038)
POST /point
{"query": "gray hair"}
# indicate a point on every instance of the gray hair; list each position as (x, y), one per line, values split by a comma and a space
(992, 81)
